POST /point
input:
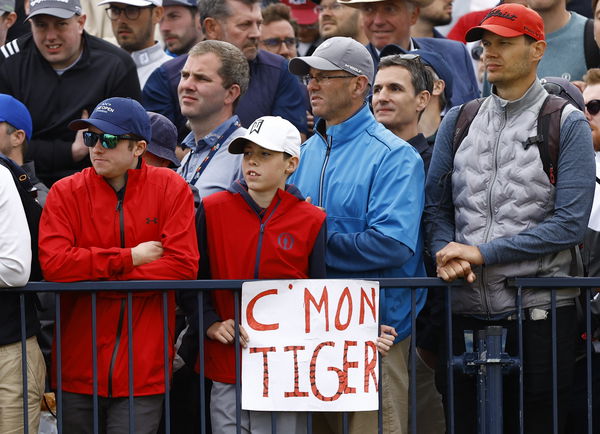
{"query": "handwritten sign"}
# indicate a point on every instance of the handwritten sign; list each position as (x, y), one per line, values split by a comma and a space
(312, 345)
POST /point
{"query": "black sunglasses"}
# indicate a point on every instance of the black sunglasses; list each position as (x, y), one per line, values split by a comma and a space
(593, 106)
(108, 141)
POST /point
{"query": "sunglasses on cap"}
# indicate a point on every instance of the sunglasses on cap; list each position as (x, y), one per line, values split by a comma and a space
(593, 107)
(108, 141)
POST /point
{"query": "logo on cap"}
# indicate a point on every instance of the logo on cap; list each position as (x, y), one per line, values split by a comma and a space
(105, 108)
(256, 126)
(500, 14)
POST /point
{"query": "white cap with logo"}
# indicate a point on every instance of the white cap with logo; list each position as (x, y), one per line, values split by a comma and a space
(271, 132)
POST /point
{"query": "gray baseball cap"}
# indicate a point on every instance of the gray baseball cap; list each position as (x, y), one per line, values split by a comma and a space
(56, 8)
(334, 54)
(7, 5)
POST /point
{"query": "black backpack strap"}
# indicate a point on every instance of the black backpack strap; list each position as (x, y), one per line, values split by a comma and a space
(590, 47)
(21, 177)
(33, 210)
(466, 114)
(548, 134)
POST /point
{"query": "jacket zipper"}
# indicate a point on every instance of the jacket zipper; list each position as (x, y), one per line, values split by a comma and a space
(322, 177)
(260, 239)
(113, 359)
(491, 213)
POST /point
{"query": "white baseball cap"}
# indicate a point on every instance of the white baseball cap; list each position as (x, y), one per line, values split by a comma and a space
(271, 132)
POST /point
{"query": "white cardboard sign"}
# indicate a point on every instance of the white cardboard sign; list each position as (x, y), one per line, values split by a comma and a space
(312, 345)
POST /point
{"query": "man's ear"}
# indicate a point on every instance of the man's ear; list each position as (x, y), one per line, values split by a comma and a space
(537, 50)
(438, 87)
(212, 28)
(17, 138)
(157, 14)
(292, 165)
(81, 22)
(414, 15)
(9, 19)
(139, 148)
(233, 92)
(423, 98)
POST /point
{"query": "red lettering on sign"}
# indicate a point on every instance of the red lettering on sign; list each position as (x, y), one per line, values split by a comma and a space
(313, 368)
(252, 323)
(296, 392)
(264, 351)
(347, 365)
(345, 295)
(370, 365)
(365, 299)
(323, 303)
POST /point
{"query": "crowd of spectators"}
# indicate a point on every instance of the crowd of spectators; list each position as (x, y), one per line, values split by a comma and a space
(169, 139)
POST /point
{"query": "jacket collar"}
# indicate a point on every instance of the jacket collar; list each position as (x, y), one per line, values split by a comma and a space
(533, 95)
(240, 187)
(351, 128)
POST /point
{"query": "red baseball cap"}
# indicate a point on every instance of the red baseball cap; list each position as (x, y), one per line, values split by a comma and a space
(303, 11)
(509, 20)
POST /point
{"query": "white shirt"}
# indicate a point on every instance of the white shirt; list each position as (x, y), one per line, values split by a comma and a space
(15, 241)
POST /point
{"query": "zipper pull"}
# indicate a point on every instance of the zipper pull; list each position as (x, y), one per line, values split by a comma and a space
(119, 205)
(262, 228)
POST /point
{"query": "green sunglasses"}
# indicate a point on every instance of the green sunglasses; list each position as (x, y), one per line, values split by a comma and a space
(108, 141)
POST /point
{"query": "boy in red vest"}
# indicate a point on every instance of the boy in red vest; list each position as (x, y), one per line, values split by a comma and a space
(261, 228)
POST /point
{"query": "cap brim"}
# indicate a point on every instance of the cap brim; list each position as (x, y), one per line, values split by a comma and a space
(139, 3)
(105, 127)
(357, 3)
(55, 12)
(476, 33)
(305, 17)
(162, 152)
(302, 65)
(237, 145)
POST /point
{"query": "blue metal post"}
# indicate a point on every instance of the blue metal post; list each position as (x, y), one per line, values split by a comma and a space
(493, 373)
(200, 300)
(166, 362)
(95, 365)
(24, 363)
(130, 360)
(59, 401)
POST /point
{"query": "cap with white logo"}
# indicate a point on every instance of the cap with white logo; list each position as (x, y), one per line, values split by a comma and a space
(57, 8)
(337, 53)
(271, 132)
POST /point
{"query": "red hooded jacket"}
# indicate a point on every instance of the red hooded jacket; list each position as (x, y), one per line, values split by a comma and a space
(87, 231)
(287, 240)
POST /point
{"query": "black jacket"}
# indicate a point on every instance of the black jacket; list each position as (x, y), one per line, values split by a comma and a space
(103, 71)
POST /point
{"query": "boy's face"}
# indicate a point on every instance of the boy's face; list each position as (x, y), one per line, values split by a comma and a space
(264, 170)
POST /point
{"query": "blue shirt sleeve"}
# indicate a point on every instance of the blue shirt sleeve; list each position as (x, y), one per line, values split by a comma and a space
(439, 208)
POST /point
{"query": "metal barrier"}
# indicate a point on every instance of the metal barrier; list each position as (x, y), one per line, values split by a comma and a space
(486, 363)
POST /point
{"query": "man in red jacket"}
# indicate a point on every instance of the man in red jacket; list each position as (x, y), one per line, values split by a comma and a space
(118, 220)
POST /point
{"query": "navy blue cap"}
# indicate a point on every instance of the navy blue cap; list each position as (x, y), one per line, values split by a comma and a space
(164, 138)
(15, 113)
(430, 58)
(118, 116)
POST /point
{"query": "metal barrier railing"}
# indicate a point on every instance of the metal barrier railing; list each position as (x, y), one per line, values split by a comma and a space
(492, 407)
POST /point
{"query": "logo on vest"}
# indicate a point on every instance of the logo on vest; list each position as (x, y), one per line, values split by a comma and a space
(285, 241)
(151, 220)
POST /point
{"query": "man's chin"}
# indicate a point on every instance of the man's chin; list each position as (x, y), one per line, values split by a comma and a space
(250, 52)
